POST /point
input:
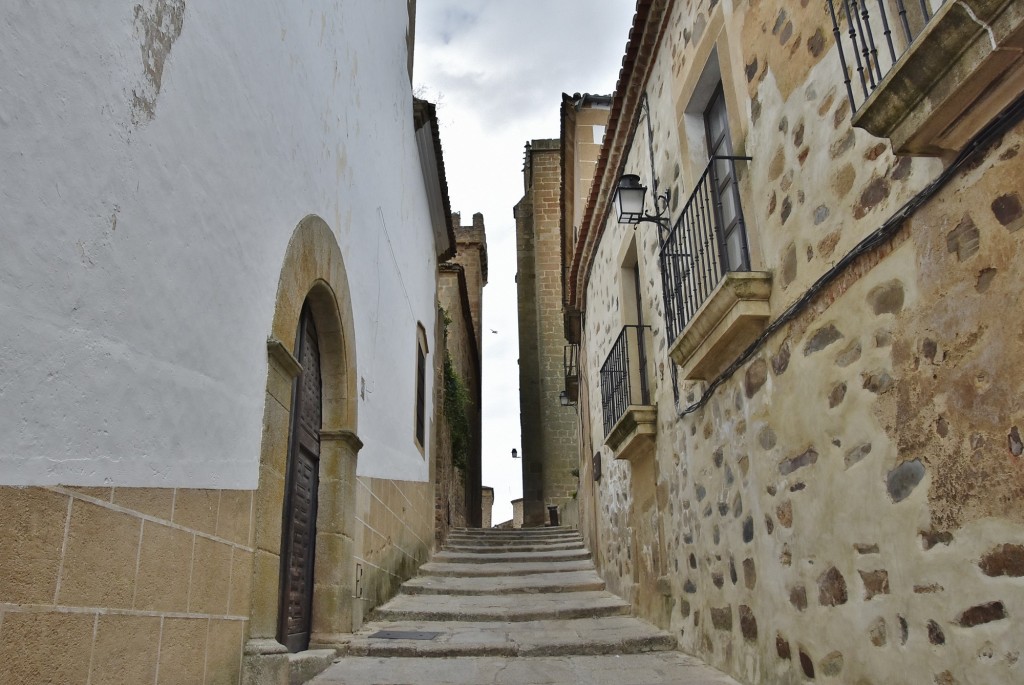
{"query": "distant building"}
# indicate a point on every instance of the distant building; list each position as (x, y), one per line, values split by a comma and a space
(799, 376)
(486, 505)
(517, 513)
(555, 185)
(457, 464)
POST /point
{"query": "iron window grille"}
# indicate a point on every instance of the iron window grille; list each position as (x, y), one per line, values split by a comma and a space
(703, 246)
(624, 375)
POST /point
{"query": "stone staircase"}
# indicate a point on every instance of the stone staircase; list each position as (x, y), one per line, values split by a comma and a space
(495, 594)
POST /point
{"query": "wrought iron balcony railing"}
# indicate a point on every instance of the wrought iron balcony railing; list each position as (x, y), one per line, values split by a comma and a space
(624, 375)
(896, 23)
(708, 241)
(571, 365)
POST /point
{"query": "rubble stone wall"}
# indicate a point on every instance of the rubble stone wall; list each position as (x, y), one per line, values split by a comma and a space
(848, 503)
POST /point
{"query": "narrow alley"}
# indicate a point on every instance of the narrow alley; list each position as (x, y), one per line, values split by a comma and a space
(509, 607)
(317, 314)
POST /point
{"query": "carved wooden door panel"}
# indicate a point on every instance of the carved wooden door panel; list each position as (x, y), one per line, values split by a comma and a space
(300, 504)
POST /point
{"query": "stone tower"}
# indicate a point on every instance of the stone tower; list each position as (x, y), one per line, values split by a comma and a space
(472, 256)
(550, 451)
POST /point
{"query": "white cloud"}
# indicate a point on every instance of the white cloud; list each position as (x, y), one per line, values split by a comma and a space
(497, 69)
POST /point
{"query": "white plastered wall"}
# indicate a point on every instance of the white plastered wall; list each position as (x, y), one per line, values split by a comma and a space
(151, 181)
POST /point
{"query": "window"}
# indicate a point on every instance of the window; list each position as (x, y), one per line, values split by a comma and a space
(714, 304)
(709, 239)
(628, 411)
(421, 388)
(724, 189)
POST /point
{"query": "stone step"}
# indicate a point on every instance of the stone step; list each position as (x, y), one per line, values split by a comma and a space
(534, 532)
(516, 532)
(512, 547)
(513, 536)
(434, 568)
(658, 668)
(541, 530)
(529, 607)
(502, 542)
(511, 557)
(513, 544)
(569, 581)
(303, 666)
(609, 635)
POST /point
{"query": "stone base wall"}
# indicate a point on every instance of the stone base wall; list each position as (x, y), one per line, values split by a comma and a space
(450, 487)
(394, 521)
(139, 585)
(149, 585)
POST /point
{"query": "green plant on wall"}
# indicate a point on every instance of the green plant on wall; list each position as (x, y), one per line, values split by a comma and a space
(456, 406)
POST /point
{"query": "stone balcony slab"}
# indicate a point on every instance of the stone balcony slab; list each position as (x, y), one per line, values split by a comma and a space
(731, 318)
(964, 68)
(634, 433)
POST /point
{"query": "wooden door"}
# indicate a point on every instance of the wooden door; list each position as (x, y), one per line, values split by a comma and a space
(300, 503)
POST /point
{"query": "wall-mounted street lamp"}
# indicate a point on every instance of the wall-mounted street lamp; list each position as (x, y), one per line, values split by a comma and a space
(629, 199)
(515, 453)
(563, 399)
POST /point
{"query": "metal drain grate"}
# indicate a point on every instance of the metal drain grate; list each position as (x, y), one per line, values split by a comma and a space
(404, 635)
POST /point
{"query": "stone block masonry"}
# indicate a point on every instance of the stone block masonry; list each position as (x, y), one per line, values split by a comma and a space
(116, 584)
(397, 537)
(549, 442)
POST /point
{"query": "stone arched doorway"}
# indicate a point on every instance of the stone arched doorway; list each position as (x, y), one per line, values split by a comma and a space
(313, 284)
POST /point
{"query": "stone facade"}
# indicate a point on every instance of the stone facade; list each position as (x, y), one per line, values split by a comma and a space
(841, 499)
(549, 442)
(460, 293)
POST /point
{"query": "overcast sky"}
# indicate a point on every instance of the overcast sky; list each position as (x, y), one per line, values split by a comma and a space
(497, 70)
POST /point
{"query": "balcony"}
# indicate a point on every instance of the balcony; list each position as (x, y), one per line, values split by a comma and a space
(714, 304)
(929, 74)
(628, 412)
(571, 366)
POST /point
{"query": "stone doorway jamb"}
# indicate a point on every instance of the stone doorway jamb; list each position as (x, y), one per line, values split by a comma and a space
(313, 270)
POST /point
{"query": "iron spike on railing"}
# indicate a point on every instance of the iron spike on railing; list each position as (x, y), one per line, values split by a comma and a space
(886, 31)
(842, 56)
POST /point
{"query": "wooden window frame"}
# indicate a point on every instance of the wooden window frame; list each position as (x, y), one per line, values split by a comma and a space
(420, 399)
